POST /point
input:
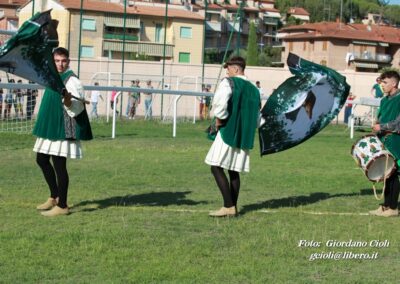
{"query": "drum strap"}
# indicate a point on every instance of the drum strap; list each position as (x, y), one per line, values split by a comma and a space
(384, 181)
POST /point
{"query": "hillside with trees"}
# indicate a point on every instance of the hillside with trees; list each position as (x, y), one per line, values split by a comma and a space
(353, 10)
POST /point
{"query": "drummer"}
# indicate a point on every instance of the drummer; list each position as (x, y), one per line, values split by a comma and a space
(388, 130)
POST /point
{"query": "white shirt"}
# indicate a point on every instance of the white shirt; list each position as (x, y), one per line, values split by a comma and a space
(94, 96)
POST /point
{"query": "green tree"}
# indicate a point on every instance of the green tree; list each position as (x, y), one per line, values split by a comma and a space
(252, 50)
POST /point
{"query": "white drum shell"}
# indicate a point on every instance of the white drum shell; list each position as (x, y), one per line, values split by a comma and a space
(376, 162)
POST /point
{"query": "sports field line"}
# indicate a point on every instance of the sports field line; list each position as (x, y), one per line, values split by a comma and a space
(144, 208)
(315, 212)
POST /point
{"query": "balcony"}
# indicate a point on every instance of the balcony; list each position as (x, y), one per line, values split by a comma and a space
(212, 26)
(148, 48)
(231, 25)
(270, 21)
(120, 36)
(372, 57)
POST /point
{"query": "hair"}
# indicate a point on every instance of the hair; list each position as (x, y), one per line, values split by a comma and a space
(61, 51)
(236, 60)
(257, 82)
(391, 75)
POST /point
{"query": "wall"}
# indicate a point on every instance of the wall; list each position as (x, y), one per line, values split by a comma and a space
(184, 76)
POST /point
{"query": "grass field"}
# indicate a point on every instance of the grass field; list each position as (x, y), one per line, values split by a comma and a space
(140, 214)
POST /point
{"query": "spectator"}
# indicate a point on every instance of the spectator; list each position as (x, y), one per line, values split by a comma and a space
(114, 101)
(376, 90)
(148, 101)
(348, 108)
(19, 101)
(135, 99)
(94, 100)
(31, 95)
(258, 85)
(9, 100)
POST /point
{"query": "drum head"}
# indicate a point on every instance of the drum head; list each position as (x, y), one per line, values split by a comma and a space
(378, 169)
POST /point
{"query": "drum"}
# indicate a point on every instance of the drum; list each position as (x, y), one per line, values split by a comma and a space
(370, 154)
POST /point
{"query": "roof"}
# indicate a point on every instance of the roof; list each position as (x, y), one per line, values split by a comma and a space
(13, 2)
(100, 6)
(327, 30)
(297, 11)
(269, 10)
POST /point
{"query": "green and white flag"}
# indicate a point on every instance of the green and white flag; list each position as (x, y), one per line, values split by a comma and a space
(301, 106)
(29, 53)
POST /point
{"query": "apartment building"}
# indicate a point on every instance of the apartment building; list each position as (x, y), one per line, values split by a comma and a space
(364, 48)
(8, 16)
(224, 17)
(102, 33)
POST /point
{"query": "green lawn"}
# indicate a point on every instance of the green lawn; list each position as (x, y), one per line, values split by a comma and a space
(140, 213)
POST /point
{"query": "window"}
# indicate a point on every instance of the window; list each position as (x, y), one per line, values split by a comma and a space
(87, 51)
(88, 24)
(325, 46)
(142, 32)
(186, 32)
(290, 46)
(184, 57)
(305, 45)
(158, 35)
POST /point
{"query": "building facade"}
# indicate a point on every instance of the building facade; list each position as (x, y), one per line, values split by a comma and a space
(364, 48)
(103, 23)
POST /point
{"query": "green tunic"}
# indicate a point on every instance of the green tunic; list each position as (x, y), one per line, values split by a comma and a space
(243, 109)
(389, 110)
(54, 123)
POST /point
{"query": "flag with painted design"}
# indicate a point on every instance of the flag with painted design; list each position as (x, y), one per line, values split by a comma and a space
(301, 106)
(29, 53)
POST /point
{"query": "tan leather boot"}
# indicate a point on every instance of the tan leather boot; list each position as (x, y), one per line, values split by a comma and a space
(377, 211)
(55, 211)
(224, 212)
(389, 213)
(50, 203)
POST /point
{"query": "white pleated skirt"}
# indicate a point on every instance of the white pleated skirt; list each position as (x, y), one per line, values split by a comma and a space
(227, 157)
(61, 148)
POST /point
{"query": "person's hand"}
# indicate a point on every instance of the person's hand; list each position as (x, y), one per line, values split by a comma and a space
(218, 123)
(376, 127)
(67, 98)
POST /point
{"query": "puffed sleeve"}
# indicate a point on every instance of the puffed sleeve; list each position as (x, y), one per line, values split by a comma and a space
(393, 125)
(74, 86)
(221, 98)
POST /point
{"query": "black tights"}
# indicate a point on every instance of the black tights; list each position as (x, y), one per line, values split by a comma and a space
(392, 190)
(229, 189)
(58, 186)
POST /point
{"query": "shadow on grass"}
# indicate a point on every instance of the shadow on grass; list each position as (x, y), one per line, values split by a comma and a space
(295, 201)
(146, 199)
(108, 136)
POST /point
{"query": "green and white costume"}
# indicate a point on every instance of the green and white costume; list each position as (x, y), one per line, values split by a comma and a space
(58, 128)
(237, 101)
(389, 120)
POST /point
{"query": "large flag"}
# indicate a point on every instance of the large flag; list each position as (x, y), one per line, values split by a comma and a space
(301, 106)
(28, 53)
